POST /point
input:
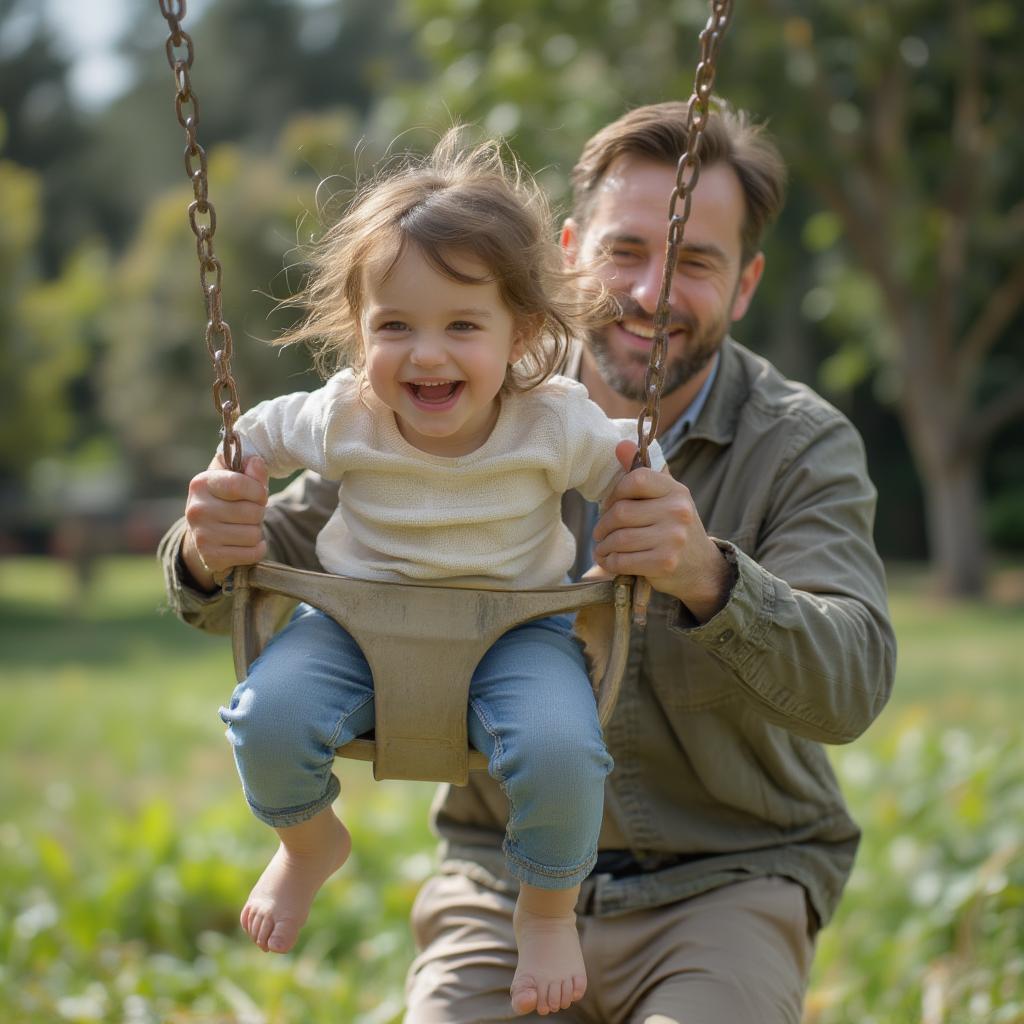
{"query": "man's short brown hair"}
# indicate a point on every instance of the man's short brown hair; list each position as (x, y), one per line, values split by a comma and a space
(658, 132)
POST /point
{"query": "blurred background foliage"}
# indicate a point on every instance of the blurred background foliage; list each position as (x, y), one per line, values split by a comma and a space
(895, 276)
(894, 285)
(127, 850)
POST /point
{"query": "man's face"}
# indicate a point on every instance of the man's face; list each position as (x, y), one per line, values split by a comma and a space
(623, 244)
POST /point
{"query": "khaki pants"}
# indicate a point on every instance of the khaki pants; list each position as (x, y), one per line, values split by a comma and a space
(737, 955)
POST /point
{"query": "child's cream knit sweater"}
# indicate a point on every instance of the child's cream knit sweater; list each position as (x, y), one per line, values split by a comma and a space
(491, 517)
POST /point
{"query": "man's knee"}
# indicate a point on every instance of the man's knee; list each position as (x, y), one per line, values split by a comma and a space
(467, 957)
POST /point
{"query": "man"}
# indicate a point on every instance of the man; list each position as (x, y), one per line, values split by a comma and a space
(726, 843)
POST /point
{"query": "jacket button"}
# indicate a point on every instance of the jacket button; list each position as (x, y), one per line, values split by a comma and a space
(726, 636)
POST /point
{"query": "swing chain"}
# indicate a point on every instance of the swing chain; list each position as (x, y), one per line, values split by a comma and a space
(687, 173)
(202, 218)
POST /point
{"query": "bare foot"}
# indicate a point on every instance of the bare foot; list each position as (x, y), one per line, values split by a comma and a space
(279, 902)
(550, 975)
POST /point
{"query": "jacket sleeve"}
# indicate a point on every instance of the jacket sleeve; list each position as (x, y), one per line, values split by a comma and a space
(294, 518)
(806, 632)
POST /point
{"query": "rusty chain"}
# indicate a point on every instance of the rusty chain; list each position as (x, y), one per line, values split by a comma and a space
(687, 173)
(202, 218)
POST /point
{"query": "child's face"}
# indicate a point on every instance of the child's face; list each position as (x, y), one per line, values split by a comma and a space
(437, 351)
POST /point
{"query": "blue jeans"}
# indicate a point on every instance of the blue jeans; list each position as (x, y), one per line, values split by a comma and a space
(532, 713)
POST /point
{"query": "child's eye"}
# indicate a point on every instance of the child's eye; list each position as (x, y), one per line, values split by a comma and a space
(462, 325)
(392, 325)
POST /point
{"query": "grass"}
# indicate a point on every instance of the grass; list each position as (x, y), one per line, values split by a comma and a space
(126, 849)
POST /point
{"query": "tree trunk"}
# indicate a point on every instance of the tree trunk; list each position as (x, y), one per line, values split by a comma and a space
(955, 527)
(935, 413)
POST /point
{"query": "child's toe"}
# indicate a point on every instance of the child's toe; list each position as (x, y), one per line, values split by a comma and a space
(524, 994)
(283, 937)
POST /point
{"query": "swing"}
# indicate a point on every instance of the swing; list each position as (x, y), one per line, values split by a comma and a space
(422, 642)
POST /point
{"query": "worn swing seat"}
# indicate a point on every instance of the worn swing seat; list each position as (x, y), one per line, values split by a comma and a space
(422, 643)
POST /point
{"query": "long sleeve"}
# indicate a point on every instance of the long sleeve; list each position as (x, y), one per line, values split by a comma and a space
(590, 440)
(806, 632)
(290, 432)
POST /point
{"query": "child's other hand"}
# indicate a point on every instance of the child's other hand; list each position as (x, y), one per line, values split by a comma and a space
(224, 512)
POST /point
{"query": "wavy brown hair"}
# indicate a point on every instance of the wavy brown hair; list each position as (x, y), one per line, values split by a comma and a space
(458, 201)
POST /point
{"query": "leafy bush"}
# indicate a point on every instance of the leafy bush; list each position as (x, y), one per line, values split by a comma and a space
(932, 925)
(126, 850)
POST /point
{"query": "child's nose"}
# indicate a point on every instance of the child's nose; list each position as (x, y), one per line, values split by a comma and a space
(428, 352)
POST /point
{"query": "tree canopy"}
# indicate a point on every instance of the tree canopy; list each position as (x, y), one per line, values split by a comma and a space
(894, 280)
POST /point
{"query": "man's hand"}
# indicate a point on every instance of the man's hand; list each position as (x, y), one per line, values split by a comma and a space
(651, 528)
(224, 512)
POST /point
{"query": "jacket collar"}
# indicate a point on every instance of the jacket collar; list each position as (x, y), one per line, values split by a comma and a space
(717, 420)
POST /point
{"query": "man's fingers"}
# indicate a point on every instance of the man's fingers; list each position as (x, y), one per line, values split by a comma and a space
(246, 513)
(223, 557)
(626, 512)
(230, 486)
(224, 483)
(228, 536)
(633, 512)
(643, 483)
(256, 469)
(625, 539)
(625, 452)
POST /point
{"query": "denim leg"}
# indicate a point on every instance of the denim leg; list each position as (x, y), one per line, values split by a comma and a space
(307, 693)
(536, 719)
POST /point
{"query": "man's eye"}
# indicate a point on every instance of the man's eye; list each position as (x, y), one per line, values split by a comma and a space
(693, 263)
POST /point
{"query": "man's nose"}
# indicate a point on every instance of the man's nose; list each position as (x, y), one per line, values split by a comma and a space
(646, 285)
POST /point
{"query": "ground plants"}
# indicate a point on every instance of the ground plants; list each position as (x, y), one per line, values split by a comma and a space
(126, 850)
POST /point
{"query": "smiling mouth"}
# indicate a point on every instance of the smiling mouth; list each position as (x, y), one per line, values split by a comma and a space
(643, 329)
(434, 392)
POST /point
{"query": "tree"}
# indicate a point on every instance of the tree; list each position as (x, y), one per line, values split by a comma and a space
(157, 374)
(901, 125)
(905, 121)
(143, 369)
(52, 274)
(40, 351)
(287, 86)
(43, 129)
(920, 107)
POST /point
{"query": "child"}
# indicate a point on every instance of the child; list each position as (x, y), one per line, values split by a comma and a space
(452, 440)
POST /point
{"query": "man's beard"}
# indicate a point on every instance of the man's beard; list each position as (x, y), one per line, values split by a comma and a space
(699, 346)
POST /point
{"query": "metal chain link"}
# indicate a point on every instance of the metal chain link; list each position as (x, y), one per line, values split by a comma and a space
(202, 218)
(687, 173)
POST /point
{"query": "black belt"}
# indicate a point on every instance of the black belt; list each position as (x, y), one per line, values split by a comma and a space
(624, 863)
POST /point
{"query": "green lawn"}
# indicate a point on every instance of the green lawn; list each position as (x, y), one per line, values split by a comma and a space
(126, 849)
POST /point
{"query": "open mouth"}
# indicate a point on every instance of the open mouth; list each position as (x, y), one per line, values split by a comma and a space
(434, 393)
(643, 330)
